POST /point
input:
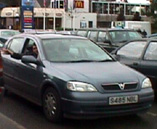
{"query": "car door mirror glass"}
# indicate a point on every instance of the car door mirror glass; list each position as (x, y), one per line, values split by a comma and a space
(29, 59)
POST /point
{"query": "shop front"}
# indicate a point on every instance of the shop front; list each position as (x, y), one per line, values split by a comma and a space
(11, 17)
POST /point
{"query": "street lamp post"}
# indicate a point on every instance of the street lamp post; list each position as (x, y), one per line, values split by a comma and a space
(13, 9)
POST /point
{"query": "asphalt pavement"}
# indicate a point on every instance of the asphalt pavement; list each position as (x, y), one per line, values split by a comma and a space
(7, 123)
(18, 113)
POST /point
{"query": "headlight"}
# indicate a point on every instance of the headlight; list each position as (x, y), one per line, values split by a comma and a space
(146, 83)
(81, 87)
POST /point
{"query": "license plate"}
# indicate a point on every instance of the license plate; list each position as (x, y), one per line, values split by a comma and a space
(123, 100)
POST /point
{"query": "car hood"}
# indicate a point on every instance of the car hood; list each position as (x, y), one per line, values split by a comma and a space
(98, 73)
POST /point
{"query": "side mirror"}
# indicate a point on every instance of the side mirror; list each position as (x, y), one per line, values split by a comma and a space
(30, 59)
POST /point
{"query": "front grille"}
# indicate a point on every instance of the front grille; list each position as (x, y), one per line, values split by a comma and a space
(120, 86)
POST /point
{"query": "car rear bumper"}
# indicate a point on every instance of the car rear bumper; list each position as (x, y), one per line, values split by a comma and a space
(101, 108)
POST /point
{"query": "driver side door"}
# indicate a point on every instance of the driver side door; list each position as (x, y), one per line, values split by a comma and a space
(11, 64)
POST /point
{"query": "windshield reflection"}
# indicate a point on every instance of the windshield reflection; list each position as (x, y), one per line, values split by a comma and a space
(73, 50)
(124, 36)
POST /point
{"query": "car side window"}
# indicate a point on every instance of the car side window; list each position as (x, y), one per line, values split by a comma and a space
(151, 52)
(29, 44)
(30, 47)
(134, 35)
(93, 35)
(82, 33)
(102, 36)
(16, 45)
(132, 50)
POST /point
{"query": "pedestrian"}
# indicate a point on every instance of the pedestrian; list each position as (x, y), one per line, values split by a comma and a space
(144, 33)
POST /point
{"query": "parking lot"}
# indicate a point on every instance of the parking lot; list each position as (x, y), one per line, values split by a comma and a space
(17, 113)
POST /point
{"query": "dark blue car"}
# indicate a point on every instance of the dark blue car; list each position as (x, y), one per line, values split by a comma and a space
(73, 77)
(141, 55)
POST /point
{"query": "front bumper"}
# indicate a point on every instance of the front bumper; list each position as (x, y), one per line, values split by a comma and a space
(96, 105)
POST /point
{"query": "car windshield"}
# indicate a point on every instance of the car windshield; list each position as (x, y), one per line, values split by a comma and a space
(73, 50)
(82, 33)
(9, 33)
(3, 40)
(124, 36)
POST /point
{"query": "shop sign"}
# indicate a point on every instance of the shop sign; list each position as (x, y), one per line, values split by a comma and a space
(27, 2)
(79, 4)
(119, 24)
(58, 14)
(27, 17)
(27, 14)
(8, 14)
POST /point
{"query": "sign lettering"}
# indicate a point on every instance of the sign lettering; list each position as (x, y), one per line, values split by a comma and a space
(79, 4)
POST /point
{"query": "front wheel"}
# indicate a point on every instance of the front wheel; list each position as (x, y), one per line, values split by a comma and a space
(52, 105)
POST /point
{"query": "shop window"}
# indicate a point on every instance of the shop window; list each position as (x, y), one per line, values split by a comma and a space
(83, 24)
(90, 24)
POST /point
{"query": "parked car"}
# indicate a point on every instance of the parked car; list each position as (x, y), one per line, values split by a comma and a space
(140, 55)
(66, 32)
(110, 39)
(152, 35)
(7, 33)
(73, 77)
(2, 42)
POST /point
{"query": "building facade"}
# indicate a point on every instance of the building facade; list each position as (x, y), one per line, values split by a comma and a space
(69, 14)
(76, 13)
(108, 10)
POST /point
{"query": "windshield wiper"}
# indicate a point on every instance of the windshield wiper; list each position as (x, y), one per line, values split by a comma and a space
(107, 60)
(77, 61)
(84, 60)
(123, 41)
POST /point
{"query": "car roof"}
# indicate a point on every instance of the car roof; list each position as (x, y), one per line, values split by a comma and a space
(105, 29)
(49, 35)
(9, 30)
(152, 35)
(143, 39)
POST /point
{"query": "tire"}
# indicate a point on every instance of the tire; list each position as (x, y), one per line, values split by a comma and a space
(52, 105)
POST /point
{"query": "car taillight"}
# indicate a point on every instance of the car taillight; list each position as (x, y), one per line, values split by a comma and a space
(1, 66)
